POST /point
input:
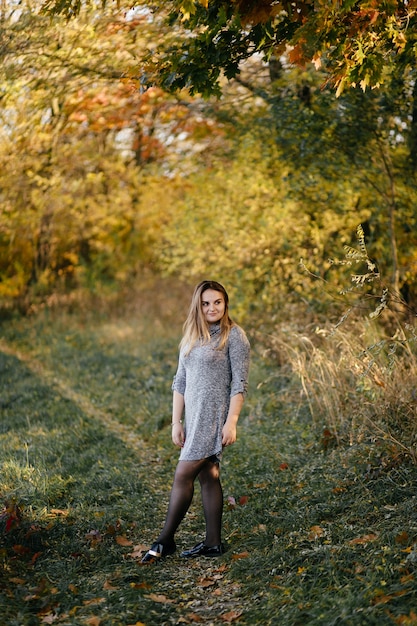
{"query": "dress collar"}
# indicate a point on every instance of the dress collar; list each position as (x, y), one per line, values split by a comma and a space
(214, 329)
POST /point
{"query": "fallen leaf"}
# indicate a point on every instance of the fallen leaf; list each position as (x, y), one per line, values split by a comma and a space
(93, 621)
(193, 617)
(50, 618)
(383, 599)
(109, 587)
(315, 533)
(231, 616)
(142, 585)
(21, 550)
(231, 502)
(18, 581)
(35, 557)
(222, 568)
(94, 536)
(63, 512)
(406, 579)
(261, 528)
(284, 466)
(206, 582)
(159, 597)
(243, 500)
(241, 555)
(94, 601)
(30, 597)
(138, 551)
(363, 540)
(122, 540)
(402, 538)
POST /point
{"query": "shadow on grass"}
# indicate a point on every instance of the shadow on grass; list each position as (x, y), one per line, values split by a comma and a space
(76, 500)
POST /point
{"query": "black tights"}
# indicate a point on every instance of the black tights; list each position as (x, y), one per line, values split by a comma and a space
(182, 494)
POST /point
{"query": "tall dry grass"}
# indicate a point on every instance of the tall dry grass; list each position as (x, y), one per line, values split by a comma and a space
(357, 384)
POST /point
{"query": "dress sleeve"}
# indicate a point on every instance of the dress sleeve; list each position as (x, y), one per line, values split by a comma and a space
(239, 355)
(179, 381)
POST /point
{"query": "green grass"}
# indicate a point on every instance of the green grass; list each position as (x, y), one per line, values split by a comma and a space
(315, 537)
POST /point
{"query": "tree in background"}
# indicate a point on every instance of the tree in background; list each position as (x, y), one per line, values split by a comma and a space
(354, 41)
(103, 173)
(77, 132)
(362, 143)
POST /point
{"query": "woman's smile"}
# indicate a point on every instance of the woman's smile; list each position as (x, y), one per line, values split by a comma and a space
(212, 305)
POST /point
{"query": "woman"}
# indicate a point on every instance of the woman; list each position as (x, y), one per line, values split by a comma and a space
(209, 386)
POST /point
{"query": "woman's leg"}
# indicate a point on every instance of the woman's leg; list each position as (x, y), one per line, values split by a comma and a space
(212, 497)
(181, 497)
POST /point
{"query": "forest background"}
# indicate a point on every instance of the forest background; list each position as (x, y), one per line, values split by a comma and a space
(270, 146)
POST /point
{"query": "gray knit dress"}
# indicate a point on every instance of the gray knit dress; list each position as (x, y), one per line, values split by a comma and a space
(208, 378)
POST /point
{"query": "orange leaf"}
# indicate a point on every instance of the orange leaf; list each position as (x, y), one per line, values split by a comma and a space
(35, 557)
(363, 540)
(315, 532)
(243, 500)
(383, 599)
(378, 381)
(222, 568)
(109, 587)
(159, 597)
(406, 579)
(231, 616)
(283, 466)
(206, 582)
(194, 617)
(141, 585)
(93, 621)
(296, 55)
(138, 551)
(402, 538)
(241, 555)
(94, 601)
(122, 540)
(19, 549)
(63, 512)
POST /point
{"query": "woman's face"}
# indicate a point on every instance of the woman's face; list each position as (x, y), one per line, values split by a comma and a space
(212, 305)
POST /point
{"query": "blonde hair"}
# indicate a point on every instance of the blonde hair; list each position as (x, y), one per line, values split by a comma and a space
(196, 329)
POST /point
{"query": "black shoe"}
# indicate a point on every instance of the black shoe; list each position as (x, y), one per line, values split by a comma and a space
(202, 550)
(158, 551)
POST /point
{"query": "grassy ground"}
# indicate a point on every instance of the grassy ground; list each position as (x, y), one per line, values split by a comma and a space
(317, 534)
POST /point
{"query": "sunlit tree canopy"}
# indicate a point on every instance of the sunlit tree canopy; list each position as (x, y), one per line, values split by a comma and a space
(354, 41)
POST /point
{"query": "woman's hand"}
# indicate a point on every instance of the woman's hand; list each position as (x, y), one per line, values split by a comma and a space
(230, 425)
(228, 434)
(178, 437)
